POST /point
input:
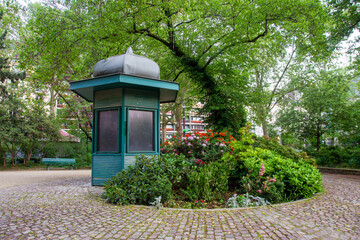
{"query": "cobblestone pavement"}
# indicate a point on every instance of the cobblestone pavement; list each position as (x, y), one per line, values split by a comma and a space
(69, 209)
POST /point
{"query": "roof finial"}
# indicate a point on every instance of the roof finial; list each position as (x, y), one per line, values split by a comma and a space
(129, 50)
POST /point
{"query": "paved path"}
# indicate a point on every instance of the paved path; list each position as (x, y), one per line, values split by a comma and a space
(68, 209)
(16, 178)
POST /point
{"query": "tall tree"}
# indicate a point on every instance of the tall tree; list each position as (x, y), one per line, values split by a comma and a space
(209, 40)
(346, 18)
(316, 111)
(8, 78)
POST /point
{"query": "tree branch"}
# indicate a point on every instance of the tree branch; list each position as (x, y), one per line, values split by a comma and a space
(263, 34)
(281, 77)
(178, 75)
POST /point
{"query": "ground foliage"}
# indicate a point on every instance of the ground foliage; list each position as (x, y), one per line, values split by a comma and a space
(337, 156)
(192, 179)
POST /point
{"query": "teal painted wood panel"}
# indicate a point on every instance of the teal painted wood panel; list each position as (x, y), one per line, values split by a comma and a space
(129, 161)
(108, 98)
(98, 181)
(104, 167)
(141, 98)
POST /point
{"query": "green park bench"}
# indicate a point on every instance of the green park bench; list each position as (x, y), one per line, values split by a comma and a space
(60, 162)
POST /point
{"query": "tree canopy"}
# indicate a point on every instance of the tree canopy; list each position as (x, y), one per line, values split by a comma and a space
(209, 41)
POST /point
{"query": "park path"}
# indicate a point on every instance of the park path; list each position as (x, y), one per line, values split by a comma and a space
(70, 209)
(17, 178)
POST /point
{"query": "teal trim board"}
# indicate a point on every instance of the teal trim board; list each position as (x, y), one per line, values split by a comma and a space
(85, 88)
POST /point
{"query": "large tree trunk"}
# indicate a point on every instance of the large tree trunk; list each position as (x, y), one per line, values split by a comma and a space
(318, 141)
(52, 102)
(178, 119)
(3, 154)
(163, 127)
(264, 128)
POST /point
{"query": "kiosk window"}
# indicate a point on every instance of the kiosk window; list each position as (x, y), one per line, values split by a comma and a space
(141, 131)
(108, 128)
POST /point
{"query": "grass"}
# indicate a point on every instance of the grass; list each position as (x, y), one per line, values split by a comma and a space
(21, 166)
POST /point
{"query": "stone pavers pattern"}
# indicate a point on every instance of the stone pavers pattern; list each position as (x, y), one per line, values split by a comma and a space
(68, 209)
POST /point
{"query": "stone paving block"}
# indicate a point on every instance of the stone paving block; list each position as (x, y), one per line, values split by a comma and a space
(67, 209)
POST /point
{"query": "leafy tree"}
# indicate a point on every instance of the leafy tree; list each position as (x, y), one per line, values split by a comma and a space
(37, 127)
(11, 126)
(8, 78)
(208, 40)
(346, 18)
(346, 21)
(317, 109)
(269, 80)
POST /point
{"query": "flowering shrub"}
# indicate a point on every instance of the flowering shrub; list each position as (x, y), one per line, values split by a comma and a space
(204, 169)
(267, 174)
(201, 148)
(267, 187)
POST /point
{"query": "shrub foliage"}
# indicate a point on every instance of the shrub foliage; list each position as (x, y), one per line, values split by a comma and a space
(206, 168)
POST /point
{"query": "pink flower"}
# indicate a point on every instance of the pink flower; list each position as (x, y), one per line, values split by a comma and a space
(195, 201)
(259, 191)
(189, 151)
(262, 170)
(273, 180)
(161, 149)
(202, 201)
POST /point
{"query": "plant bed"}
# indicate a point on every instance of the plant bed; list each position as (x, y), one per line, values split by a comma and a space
(207, 170)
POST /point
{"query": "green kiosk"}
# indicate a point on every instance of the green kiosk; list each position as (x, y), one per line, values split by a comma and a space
(126, 92)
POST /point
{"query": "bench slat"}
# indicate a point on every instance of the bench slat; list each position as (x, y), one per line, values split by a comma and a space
(59, 162)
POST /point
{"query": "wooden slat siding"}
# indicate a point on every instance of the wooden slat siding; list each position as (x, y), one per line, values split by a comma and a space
(108, 98)
(98, 181)
(141, 98)
(105, 167)
(129, 161)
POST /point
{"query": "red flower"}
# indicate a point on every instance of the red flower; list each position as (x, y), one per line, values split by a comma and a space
(202, 201)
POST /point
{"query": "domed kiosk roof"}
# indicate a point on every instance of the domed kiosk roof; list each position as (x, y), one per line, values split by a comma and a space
(126, 71)
(128, 63)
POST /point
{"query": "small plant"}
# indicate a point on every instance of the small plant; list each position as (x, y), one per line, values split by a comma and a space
(157, 203)
(232, 202)
(248, 200)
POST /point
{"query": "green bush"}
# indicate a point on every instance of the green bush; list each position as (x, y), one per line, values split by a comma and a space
(295, 180)
(283, 150)
(337, 157)
(191, 173)
(80, 151)
(150, 177)
(207, 182)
